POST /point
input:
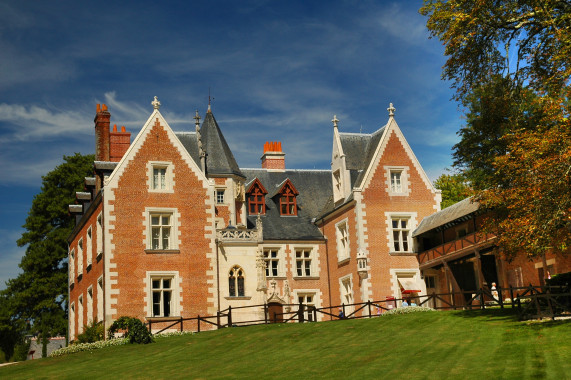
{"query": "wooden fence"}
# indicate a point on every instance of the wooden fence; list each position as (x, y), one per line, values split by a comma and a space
(530, 302)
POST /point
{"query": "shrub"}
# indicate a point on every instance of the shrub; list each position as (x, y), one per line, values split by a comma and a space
(88, 346)
(92, 333)
(408, 310)
(561, 279)
(136, 332)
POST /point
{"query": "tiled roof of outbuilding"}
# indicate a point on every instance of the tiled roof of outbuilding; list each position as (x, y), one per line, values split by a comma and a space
(457, 211)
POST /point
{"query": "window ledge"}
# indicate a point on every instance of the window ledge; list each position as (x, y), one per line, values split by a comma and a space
(277, 277)
(408, 253)
(167, 251)
(163, 319)
(343, 261)
(306, 277)
(238, 298)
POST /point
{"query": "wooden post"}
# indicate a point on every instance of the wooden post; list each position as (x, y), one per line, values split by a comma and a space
(218, 319)
(314, 314)
(150, 327)
(198, 320)
(512, 296)
(229, 316)
(300, 316)
(181, 324)
(344, 314)
(500, 297)
(369, 306)
(265, 313)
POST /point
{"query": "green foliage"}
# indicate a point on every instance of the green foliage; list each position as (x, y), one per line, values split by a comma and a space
(528, 41)
(495, 108)
(454, 188)
(36, 301)
(136, 331)
(91, 334)
(21, 350)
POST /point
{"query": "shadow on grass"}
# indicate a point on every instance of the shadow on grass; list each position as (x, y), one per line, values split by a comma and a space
(508, 315)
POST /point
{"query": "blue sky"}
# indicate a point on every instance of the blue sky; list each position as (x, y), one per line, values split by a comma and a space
(277, 70)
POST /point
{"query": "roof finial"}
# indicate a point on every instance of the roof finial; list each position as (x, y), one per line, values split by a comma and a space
(391, 110)
(209, 100)
(197, 121)
(156, 104)
(335, 121)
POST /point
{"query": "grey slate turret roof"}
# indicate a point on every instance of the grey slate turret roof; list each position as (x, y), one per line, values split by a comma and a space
(314, 188)
(219, 157)
(458, 212)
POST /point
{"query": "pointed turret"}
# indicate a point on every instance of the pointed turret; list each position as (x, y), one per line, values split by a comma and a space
(220, 161)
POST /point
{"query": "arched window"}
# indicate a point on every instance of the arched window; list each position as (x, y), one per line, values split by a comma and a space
(236, 282)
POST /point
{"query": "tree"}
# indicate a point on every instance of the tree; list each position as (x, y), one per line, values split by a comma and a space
(38, 296)
(454, 188)
(528, 41)
(493, 109)
(510, 63)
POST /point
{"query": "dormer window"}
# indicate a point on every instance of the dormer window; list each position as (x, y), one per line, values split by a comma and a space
(256, 198)
(288, 200)
(288, 205)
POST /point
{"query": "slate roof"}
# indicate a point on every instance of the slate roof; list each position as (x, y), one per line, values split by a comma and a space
(188, 140)
(457, 212)
(219, 157)
(314, 188)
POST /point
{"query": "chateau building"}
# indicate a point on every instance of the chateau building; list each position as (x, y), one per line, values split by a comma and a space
(171, 226)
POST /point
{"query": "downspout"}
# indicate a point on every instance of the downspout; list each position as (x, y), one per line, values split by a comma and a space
(217, 275)
(327, 260)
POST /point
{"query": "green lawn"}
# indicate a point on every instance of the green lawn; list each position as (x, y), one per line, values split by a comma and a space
(487, 344)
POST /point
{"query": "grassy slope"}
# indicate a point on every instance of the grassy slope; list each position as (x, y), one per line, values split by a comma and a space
(438, 345)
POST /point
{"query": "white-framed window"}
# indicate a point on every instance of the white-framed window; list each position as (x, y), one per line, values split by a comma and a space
(161, 229)
(162, 296)
(346, 291)
(88, 247)
(397, 180)
(80, 314)
(99, 237)
(219, 193)
(273, 265)
(89, 305)
(342, 233)
(80, 257)
(72, 321)
(236, 282)
(401, 229)
(303, 262)
(337, 187)
(100, 299)
(160, 176)
(307, 299)
(71, 266)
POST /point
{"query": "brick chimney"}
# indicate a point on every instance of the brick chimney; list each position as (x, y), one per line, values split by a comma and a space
(273, 158)
(119, 142)
(102, 122)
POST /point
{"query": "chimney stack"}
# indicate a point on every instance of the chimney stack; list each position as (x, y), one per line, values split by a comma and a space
(102, 122)
(119, 142)
(273, 158)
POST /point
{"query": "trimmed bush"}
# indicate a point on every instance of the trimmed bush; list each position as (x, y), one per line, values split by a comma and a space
(136, 332)
(408, 310)
(91, 334)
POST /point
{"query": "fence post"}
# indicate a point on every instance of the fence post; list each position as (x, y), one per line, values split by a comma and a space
(512, 296)
(265, 313)
(218, 319)
(369, 306)
(229, 316)
(150, 327)
(300, 315)
(198, 320)
(314, 314)
(344, 314)
(181, 324)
